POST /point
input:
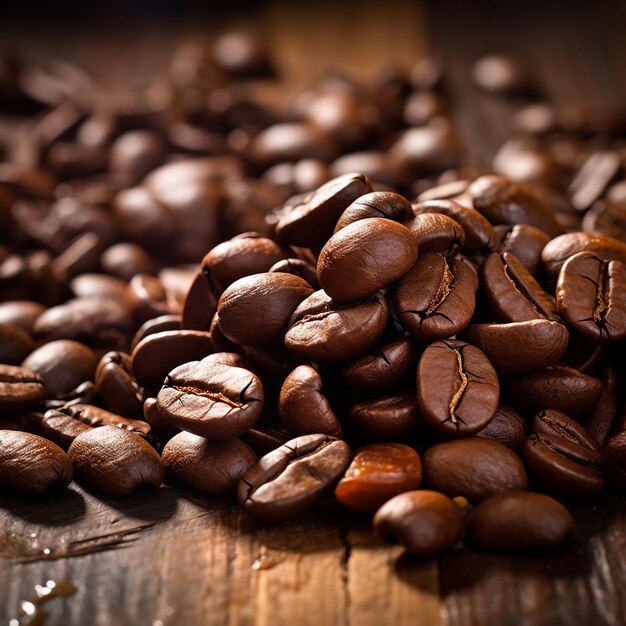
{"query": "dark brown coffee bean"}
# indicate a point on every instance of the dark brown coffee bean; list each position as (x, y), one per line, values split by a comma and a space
(126, 260)
(457, 388)
(382, 367)
(607, 218)
(376, 474)
(591, 297)
(557, 387)
(211, 400)
(562, 248)
(323, 330)
(510, 294)
(62, 428)
(83, 394)
(21, 313)
(311, 222)
(159, 424)
(365, 256)
(115, 461)
(256, 309)
(506, 427)
(614, 460)
(116, 387)
(63, 365)
(290, 480)
(520, 520)
(604, 415)
(91, 285)
(525, 242)
(156, 325)
(381, 204)
(214, 467)
(473, 468)
(436, 232)
(32, 464)
(158, 354)
(436, 298)
(200, 304)
(424, 522)
(593, 177)
(15, 344)
(501, 74)
(299, 268)
(388, 418)
(96, 417)
(302, 406)
(561, 457)
(29, 422)
(520, 346)
(263, 439)
(136, 153)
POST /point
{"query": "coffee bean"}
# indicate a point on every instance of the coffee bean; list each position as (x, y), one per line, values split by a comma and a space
(115, 461)
(263, 439)
(15, 344)
(91, 285)
(501, 74)
(200, 304)
(146, 298)
(525, 242)
(61, 428)
(290, 480)
(256, 309)
(136, 153)
(519, 346)
(32, 464)
(591, 297)
(506, 427)
(457, 388)
(156, 325)
(473, 468)
(614, 460)
(20, 313)
(159, 424)
(435, 299)
(214, 467)
(520, 520)
(424, 522)
(604, 415)
(436, 232)
(365, 256)
(211, 400)
(376, 474)
(299, 268)
(322, 330)
(381, 204)
(20, 389)
(126, 260)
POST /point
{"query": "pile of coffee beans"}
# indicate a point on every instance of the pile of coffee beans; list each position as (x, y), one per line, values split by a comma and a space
(292, 299)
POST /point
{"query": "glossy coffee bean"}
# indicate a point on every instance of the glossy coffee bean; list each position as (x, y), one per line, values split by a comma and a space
(97, 286)
(290, 480)
(473, 468)
(558, 387)
(115, 461)
(200, 304)
(436, 232)
(561, 457)
(436, 298)
(614, 461)
(457, 388)
(519, 346)
(507, 427)
(20, 389)
(376, 474)
(159, 424)
(156, 325)
(214, 467)
(32, 464)
(525, 242)
(520, 520)
(116, 387)
(424, 522)
(300, 268)
(302, 406)
(15, 344)
(321, 329)
(61, 428)
(255, 310)
(381, 204)
(591, 297)
(22, 313)
(365, 256)
(211, 400)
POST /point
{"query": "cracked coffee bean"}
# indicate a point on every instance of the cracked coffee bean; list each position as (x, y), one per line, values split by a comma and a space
(457, 388)
(211, 400)
(293, 478)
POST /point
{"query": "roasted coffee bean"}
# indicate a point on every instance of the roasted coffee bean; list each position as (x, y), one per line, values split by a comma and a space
(96, 417)
(126, 260)
(146, 298)
(558, 387)
(115, 461)
(211, 400)
(457, 388)
(20, 389)
(506, 427)
(116, 387)
(263, 439)
(136, 153)
(311, 222)
(520, 346)
(520, 520)
(200, 304)
(561, 457)
(363, 257)
(31, 464)
(382, 367)
(510, 294)
(436, 232)
(256, 309)
(501, 74)
(376, 474)
(614, 460)
(389, 418)
(229, 358)
(302, 406)
(424, 522)
(63, 364)
(604, 415)
(62, 428)
(158, 354)
(159, 424)
(562, 248)
(322, 330)
(382, 204)
(299, 268)
(98, 286)
(274, 363)
(21, 313)
(473, 468)
(214, 467)
(290, 480)
(436, 298)
(607, 218)
(15, 344)
(591, 297)
(422, 107)
(525, 242)
(156, 325)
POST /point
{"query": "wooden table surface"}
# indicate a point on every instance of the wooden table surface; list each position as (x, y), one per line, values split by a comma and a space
(176, 557)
